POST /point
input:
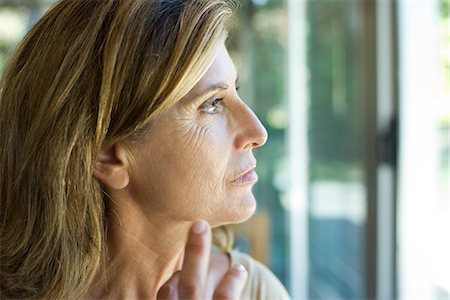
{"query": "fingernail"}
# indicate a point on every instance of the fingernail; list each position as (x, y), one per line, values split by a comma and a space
(199, 227)
(239, 268)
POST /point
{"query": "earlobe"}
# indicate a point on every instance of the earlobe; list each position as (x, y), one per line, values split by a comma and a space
(111, 167)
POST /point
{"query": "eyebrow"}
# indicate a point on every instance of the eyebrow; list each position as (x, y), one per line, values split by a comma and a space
(220, 86)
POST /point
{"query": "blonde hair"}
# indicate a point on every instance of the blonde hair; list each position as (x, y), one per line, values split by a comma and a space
(87, 75)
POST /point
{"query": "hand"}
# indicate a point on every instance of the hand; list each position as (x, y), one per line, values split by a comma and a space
(194, 280)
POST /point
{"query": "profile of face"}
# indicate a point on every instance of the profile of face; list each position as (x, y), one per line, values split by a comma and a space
(197, 161)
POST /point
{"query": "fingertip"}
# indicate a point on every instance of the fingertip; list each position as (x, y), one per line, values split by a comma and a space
(200, 227)
(232, 284)
(239, 269)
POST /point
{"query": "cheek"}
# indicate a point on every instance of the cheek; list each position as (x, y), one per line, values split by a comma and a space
(205, 168)
(204, 160)
(203, 150)
(184, 171)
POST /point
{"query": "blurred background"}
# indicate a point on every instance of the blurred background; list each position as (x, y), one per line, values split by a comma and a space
(354, 190)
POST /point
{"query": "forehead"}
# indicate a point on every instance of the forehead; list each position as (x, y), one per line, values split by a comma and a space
(221, 75)
(221, 70)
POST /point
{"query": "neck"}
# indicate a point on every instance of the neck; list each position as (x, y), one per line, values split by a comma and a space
(143, 253)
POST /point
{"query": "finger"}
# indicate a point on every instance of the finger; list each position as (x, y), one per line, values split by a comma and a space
(232, 284)
(196, 260)
(169, 290)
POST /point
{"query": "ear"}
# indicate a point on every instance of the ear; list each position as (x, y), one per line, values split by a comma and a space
(111, 167)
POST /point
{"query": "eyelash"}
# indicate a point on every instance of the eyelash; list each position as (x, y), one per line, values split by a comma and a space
(211, 105)
(214, 103)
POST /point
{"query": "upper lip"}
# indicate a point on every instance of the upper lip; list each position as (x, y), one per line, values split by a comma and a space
(248, 169)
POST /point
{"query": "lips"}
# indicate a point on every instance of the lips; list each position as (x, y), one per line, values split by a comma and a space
(249, 175)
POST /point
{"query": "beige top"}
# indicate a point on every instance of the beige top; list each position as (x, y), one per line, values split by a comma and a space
(261, 283)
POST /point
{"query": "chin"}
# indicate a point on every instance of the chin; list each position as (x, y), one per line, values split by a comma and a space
(238, 213)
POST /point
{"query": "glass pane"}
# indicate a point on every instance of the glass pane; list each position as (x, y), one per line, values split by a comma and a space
(337, 193)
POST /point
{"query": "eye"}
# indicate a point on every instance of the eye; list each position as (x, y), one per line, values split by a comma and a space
(212, 106)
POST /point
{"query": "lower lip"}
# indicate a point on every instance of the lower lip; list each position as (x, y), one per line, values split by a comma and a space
(248, 177)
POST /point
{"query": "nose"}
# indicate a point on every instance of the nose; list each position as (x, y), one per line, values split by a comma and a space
(250, 131)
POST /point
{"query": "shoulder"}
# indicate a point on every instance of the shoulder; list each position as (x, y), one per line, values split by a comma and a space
(261, 282)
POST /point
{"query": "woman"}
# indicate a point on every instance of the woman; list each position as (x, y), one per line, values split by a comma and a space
(122, 129)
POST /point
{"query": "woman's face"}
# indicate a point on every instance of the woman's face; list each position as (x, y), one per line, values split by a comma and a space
(197, 160)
